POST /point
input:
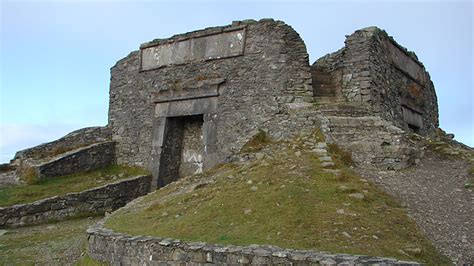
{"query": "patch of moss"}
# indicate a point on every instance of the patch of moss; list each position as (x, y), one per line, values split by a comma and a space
(257, 142)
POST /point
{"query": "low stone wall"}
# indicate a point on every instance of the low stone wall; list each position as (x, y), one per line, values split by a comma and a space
(93, 201)
(85, 159)
(121, 249)
(79, 138)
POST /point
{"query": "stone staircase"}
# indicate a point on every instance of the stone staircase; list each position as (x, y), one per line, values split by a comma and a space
(372, 140)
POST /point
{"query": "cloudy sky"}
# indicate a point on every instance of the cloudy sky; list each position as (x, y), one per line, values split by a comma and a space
(56, 55)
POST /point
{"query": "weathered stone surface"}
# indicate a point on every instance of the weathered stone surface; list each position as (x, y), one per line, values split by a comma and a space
(380, 73)
(93, 201)
(237, 94)
(104, 245)
(84, 159)
(220, 44)
(79, 138)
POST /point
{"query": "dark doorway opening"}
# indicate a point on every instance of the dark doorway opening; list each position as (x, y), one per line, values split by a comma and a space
(414, 128)
(183, 148)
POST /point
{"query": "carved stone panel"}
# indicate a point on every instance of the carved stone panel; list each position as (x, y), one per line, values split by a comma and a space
(407, 64)
(222, 45)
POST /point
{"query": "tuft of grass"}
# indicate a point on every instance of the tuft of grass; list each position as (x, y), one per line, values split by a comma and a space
(341, 157)
(29, 176)
(470, 182)
(257, 142)
(86, 260)
(66, 184)
(60, 150)
(319, 136)
(287, 201)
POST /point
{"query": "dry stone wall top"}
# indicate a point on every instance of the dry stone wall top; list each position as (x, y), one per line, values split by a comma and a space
(122, 249)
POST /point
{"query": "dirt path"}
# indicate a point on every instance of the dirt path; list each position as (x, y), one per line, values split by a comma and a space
(436, 198)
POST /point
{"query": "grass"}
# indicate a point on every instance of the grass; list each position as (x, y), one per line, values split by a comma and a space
(88, 261)
(285, 200)
(65, 184)
(470, 182)
(29, 176)
(60, 243)
(257, 142)
(341, 157)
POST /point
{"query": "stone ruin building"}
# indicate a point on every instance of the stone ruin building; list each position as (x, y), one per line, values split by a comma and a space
(181, 105)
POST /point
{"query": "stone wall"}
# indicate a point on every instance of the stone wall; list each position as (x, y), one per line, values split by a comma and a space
(121, 249)
(79, 138)
(83, 159)
(380, 73)
(93, 201)
(238, 91)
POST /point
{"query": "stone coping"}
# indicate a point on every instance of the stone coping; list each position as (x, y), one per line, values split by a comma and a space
(117, 248)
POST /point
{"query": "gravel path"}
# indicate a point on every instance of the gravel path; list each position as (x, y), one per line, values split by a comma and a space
(435, 197)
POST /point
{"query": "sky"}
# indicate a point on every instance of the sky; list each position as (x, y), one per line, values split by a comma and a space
(55, 56)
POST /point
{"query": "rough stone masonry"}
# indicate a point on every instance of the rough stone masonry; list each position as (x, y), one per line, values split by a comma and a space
(219, 86)
(180, 105)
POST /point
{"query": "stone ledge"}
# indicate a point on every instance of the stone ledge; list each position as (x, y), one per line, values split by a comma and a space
(117, 249)
(99, 200)
(87, 158)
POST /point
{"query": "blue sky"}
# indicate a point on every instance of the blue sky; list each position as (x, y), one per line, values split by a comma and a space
(55, 56)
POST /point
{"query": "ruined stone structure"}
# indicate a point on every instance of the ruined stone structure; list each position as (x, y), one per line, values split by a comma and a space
(181, 105)
(374, 70)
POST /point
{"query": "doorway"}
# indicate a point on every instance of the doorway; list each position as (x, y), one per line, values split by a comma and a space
(183, 148)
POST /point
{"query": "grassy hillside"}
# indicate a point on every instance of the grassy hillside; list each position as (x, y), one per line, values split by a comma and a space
(284, 199)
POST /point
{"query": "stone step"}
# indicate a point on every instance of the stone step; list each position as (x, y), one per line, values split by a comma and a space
(327, 99)
(341, 109)
(322, 77)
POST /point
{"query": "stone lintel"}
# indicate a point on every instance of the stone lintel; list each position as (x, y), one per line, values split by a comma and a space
(200, 89)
